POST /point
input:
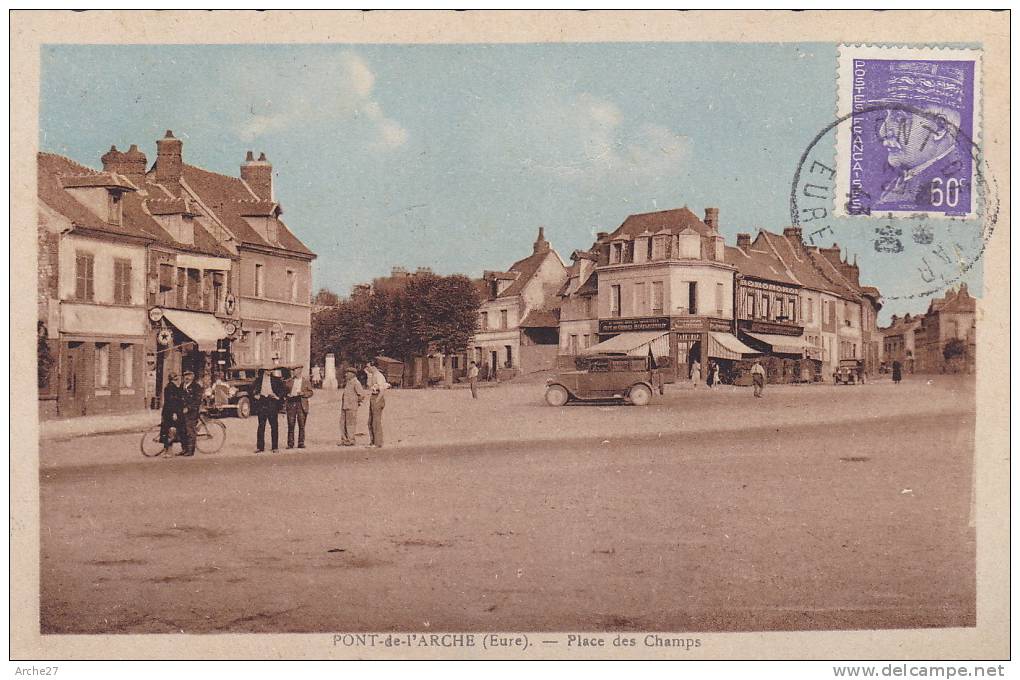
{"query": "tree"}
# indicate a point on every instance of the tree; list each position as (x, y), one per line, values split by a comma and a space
(326, 298)
(954, 350)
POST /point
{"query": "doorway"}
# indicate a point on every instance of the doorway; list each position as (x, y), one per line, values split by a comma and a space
(73, 399)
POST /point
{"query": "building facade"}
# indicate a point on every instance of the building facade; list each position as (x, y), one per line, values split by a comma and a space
(949, 323)
(518, 328)
(142, 273)
(899, 342)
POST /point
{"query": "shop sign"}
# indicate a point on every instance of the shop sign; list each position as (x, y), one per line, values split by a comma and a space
(769, 328)
(687, 325)
(627, 325)
(813, 353)
(719, 326)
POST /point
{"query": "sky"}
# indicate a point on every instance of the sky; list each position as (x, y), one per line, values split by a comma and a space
(452, 156)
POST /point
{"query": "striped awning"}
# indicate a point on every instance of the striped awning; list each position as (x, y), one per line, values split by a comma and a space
(726, 346)
(782, 344)
(635, 344)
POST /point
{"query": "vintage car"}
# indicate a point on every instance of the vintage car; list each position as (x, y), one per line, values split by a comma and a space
(604, 377)
(849, 372)
(238, 399)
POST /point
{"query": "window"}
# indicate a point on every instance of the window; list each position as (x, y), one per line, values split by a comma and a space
(792, 313)
(614, 301)
(573, 344)
(115, 207)
(648, 252)
(194, 289)
(587, 340)
(84, 268)
(257, 349)
(503, 318)
(765, 307)
(657, 299)
(127, 366)
(509, 356)
(122, 281)
(260, 281)
(292, 284)
(208, 301)
(640, 301)
(589, 306)
(720, 294)
(291, 346)
(780, 309)
(692, 295)
(811, 310)
(217, 292)
(660, 244)
(485, 321)
(102, 365)
(182, 287)
(616, 253)
(749, 312)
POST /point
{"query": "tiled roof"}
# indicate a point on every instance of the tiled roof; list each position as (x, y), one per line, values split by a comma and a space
(759, 262)
(589, 287)
(231, 200)
(673, 221)
(96, 179)
(799, 262)
(541, 318)
(527, 267)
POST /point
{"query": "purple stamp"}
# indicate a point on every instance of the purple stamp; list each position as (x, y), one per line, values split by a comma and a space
(913, 115)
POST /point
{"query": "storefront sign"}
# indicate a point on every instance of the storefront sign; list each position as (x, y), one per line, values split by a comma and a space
(687, 325)
(719, 326)
(769, 287)
(626, 325)
(769, 328)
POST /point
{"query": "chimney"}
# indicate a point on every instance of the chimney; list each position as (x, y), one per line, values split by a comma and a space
(795, 234)
(258, 174)
(169, 163)
(130, 162)
(743, 241)
(541, 245)
(712, 218)
(602, 236)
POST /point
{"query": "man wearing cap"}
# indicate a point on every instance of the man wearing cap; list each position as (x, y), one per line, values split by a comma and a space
(170, 417)
(298, 392)
(919, 133)
(350, 399)
(268, 394)
(191, 405)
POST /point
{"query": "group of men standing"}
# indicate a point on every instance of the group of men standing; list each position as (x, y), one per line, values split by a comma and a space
(269, 395)
(182, 402)
(351, 398)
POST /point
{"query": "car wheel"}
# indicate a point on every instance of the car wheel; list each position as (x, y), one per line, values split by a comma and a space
(243, 407)
(556, 395)
(640, 395)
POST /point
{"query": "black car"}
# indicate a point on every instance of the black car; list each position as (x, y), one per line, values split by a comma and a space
(239, 379)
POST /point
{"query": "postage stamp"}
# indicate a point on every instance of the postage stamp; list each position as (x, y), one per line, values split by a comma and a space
(914, 112)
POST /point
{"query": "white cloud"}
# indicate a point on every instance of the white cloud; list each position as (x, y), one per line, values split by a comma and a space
(336, 88)
(586, 139)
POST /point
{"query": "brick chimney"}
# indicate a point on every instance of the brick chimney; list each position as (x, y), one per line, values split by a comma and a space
(541, 245)
(169, 162)
(794, 234)
(130, 162)
(258, 174)
(743, 241)
(712, 218)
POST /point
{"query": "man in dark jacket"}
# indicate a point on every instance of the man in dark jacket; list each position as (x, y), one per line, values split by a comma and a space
(191, 406)
(268, 394)
(298, 391)
(171, 414)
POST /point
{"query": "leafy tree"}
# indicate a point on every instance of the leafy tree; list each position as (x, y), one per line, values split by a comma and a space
(326, 298)
(954, 349)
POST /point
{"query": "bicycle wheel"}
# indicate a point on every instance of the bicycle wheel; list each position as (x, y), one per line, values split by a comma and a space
(151, 444)
(210, 435)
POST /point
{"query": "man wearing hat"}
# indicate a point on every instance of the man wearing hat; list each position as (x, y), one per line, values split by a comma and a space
(191, 405)
(268, 394)
(170, 417)
(919, 133)
(350, 399)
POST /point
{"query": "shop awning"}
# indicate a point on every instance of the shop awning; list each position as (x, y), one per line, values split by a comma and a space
(782, 344)
(726, 346)
(203, 329)
(634, 344)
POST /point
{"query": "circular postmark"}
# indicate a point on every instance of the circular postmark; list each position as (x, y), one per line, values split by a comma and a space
(916, 231)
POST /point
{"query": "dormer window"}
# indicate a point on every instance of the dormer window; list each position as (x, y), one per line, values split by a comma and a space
(115, 207)
(616, 253)
(660, 247)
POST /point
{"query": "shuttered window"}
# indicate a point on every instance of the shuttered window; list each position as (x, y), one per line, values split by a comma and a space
(84, 285)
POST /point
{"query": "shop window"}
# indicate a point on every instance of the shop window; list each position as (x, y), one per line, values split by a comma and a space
(102, 365)
(614, 301)
(127, 366)
(657, 297)
(122, 281)
(84, 269)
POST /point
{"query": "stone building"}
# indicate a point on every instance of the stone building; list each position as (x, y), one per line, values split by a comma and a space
(579, 321)
(899, 341)
(518, 328)
(951, 317)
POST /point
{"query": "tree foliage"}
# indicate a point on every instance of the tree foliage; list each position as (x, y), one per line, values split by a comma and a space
(954, 349)
(430, 313)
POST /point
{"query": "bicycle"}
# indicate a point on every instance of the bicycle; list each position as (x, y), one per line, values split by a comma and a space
(210, 435)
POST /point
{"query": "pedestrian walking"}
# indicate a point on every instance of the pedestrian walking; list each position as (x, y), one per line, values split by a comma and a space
(710, 377)
(170, 417)
(268, 393)
(695, 372)
(715, 372)
(298, 393)
(473, 379)
(758, 377)
(350, 399)
(191, 406)
(377, 387)
(897, 372)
